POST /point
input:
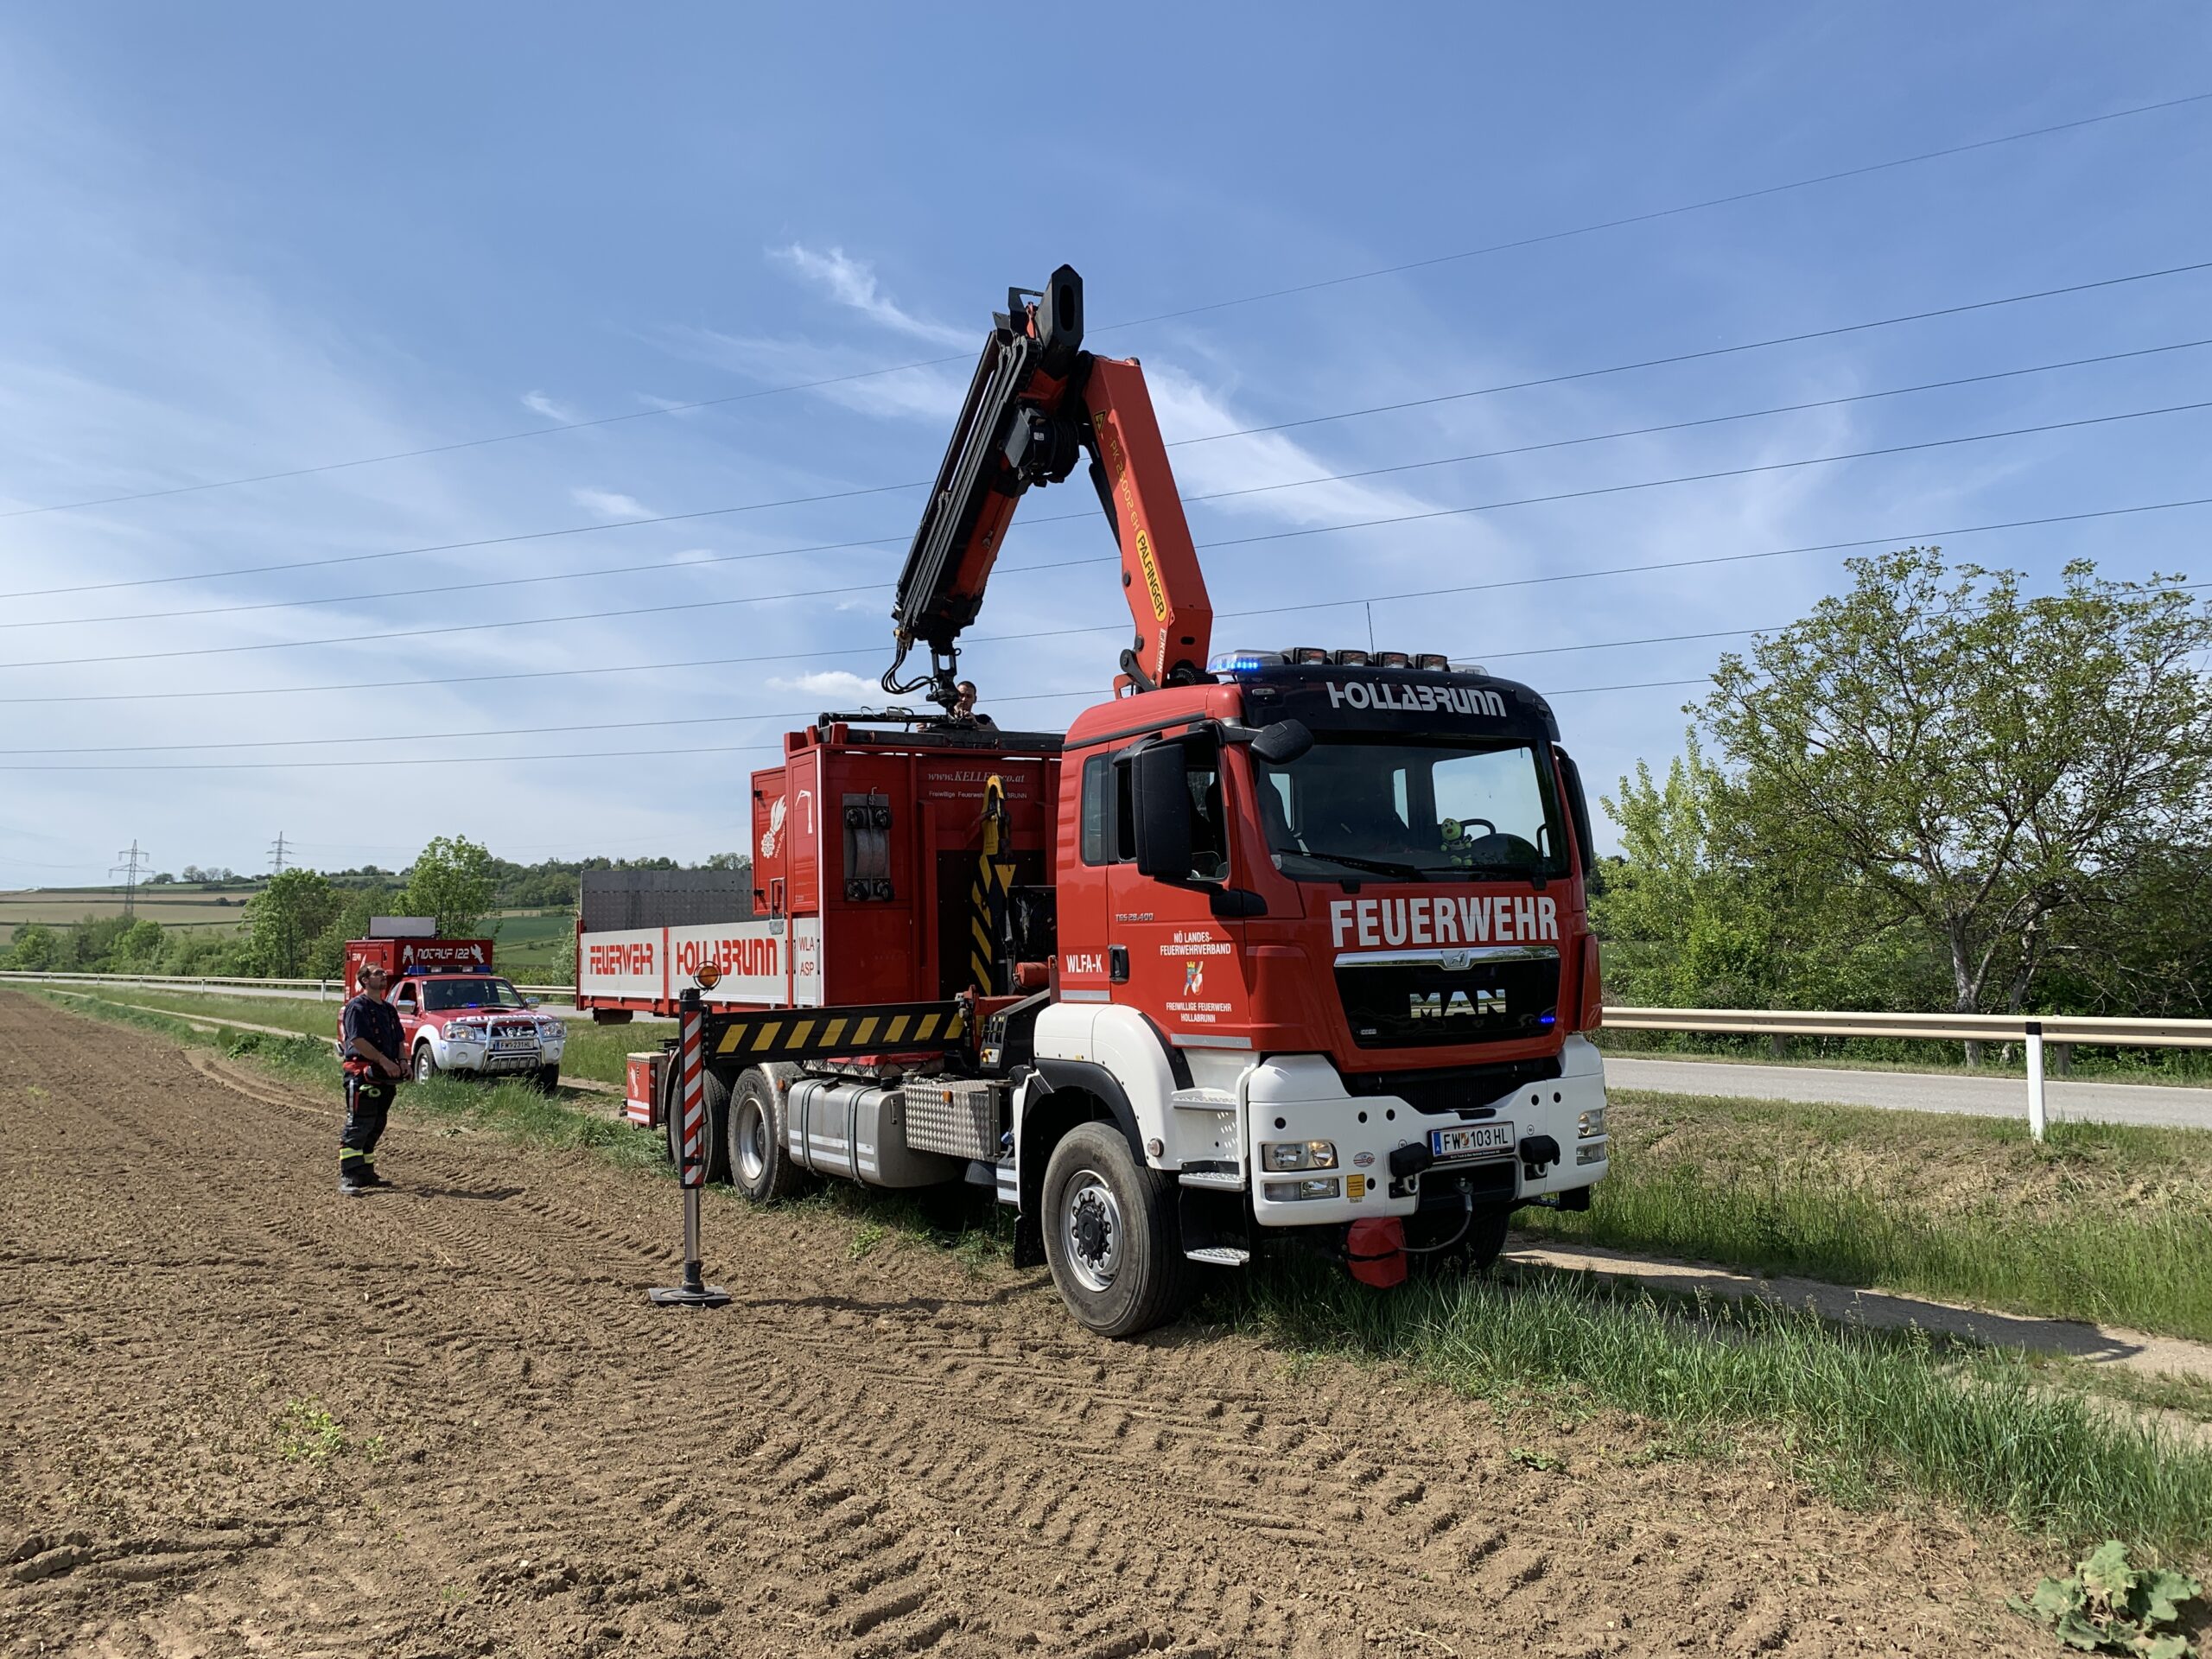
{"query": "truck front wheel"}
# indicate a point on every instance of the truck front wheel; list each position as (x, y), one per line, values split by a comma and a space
(1110, 1234)
(760, 1166)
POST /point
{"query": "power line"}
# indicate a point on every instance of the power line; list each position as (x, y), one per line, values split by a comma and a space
(664, 667)
(1061, 564)
(618, 754)
(810, 714)
(662, 566)
(1593, 228)
(880, 489)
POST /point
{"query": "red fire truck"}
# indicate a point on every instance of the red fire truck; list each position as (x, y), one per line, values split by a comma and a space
(455, 1014)
(1268, 942)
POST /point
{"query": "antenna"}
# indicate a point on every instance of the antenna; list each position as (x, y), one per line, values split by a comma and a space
(134, 861)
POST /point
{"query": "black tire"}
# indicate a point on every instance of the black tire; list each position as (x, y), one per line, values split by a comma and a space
(761, 1165)
(426, 1064)
(1471, 1252)
(549, 1079)
(717, 1099)
(1111, 1234)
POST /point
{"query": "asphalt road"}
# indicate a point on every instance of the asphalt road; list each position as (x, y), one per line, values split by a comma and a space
(1919, 1091)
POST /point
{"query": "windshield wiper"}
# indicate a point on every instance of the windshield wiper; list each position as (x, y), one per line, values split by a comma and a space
(1375, 866)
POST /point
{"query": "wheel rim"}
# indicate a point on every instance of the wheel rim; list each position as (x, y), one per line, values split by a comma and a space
(752, 1140)
(1091, 1230)
(422, 1066)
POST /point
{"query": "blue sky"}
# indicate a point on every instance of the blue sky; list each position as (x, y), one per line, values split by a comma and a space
(247, 240)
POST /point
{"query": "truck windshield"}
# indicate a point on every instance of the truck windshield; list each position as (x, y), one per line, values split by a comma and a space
(1409, 810)
(444, 996)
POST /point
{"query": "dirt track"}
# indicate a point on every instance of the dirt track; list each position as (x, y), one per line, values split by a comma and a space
(882, 1458)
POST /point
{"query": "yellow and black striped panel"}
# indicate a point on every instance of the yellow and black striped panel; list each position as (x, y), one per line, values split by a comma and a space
(820, 1034)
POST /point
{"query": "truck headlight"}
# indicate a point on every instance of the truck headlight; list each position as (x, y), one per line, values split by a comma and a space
(1326, 1186)
(1590, 1125)
(1298, 1154)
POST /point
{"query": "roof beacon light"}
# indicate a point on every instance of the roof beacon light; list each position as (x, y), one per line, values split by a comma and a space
(1393, 659)
(1461, 665)
(1351, 660)
(1434, 661)
(706, 976)
(1243, 662)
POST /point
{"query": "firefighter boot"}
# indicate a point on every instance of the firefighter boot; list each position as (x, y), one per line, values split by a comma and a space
(352, 1166)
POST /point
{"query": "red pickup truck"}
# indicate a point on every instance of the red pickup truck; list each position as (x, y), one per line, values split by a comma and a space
(456, 1014)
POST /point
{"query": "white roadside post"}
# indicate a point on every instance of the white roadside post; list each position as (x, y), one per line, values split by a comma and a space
(691, 1164)
(2035, 1079)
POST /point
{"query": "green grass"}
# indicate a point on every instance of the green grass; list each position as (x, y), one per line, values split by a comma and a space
(1867, 1418)
(1860, 1416)
(2102, 1222)
(596, 1053)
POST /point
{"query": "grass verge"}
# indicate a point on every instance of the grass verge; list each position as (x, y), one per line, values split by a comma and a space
(1862, 1417)
(2107, 1223)
(1858, 1416)
(593, 1052)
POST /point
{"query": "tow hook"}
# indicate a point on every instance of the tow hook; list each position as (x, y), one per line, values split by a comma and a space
(1538, 1153)
(1408, 1161)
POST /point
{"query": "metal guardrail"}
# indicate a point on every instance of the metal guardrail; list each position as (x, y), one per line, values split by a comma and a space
(322, 987)
(2074, 1030)
(2032, 1031)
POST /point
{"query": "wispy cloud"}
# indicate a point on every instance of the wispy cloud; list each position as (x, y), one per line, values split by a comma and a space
(833, 683)
(611, 504)
(852, 283)
(539, 403)
(850, 377)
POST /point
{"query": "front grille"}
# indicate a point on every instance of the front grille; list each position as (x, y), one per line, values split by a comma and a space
(1432, 998)
(1455, 1088)
(514, 1031)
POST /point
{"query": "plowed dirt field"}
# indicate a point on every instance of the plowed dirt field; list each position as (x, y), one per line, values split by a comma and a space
(891, 1455)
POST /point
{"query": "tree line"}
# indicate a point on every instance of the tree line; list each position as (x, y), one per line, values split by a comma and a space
(297, 922)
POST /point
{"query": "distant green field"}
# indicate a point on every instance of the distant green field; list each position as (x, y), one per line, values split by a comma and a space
(178, 905)
(529, 941)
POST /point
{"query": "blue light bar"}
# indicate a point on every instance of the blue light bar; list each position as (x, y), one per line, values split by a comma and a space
(1243, 662)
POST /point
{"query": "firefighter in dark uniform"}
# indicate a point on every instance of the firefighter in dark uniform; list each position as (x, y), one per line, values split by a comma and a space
(369, 1041)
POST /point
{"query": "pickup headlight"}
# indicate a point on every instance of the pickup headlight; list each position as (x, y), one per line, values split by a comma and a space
(1298, 1154)
(551, 1031)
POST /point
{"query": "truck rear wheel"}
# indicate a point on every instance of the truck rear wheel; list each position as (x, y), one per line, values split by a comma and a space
(1110, 1234)
(716, 1093)
(760, 1166)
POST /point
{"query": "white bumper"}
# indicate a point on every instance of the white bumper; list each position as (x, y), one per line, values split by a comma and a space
(455, 1051)
(1300, 1098)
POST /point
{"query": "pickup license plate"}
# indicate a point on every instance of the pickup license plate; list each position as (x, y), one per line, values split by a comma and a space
(1472, 1141)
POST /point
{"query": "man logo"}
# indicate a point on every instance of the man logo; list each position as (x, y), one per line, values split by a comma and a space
(1436, 1006)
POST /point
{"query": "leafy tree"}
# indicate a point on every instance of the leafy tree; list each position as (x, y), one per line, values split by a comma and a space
(34, 948)
(1990, 767)
(283, 919)
(139, 946)
(452, 880)
(728, 861)
(326, 957)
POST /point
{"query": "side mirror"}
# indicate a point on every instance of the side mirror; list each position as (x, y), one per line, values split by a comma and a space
(1284, 742)
(1161, 805)
(529, 1001)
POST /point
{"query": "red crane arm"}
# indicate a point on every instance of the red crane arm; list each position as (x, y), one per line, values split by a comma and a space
(1036, 403)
